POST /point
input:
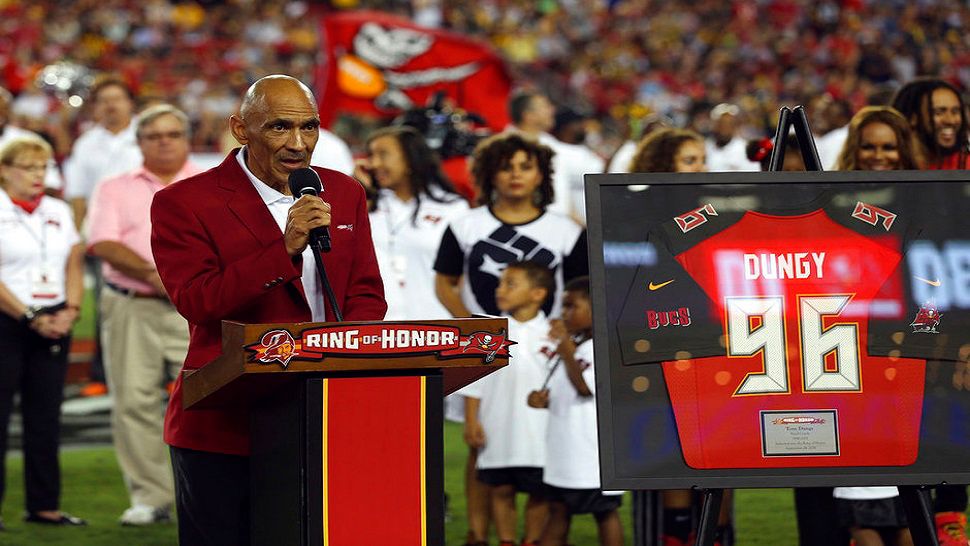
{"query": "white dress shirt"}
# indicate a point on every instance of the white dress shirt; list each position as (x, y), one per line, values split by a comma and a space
(279, 205)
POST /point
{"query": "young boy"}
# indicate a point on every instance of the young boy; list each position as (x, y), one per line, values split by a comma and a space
(508, 433)
(572, 452)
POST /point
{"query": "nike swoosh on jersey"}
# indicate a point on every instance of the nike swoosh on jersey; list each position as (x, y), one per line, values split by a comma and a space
(652, 286)
(927, 281)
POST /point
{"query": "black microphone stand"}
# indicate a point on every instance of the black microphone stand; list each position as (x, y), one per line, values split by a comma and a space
(317, 248)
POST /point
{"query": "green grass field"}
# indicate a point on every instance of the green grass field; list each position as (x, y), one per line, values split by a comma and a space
(93, 489)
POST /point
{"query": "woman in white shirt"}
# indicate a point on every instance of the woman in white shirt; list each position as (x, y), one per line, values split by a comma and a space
(40, 293)
(411, 204)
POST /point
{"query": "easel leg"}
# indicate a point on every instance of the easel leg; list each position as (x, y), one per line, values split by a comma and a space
(710, 509)
(919, 512)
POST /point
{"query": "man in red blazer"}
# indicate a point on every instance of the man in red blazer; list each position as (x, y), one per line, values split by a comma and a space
(231, 244)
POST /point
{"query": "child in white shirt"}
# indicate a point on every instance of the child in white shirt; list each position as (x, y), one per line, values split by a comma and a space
(572, 450)
(508, 433)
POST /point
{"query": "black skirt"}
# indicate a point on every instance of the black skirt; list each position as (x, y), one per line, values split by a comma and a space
(871, 513)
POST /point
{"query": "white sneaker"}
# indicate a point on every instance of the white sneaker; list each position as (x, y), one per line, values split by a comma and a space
(141, 514)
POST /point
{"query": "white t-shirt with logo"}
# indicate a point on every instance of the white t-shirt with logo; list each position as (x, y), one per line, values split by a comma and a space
(514, 432)
(406, 245)
(478, 246)
(572, 449)
(34, 249)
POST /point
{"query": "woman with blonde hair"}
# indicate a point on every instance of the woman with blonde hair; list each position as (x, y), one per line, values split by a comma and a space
(41, 272)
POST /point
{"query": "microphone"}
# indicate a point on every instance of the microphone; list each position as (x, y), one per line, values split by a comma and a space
(306, 181)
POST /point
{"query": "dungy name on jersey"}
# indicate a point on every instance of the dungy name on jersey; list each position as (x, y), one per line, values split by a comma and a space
(793, 265)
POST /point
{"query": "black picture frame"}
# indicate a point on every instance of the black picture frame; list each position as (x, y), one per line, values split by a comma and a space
(608, 216)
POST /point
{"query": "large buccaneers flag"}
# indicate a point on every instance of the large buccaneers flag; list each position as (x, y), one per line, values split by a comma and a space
(381, 65)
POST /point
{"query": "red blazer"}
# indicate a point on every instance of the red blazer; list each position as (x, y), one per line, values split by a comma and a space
(221, 256)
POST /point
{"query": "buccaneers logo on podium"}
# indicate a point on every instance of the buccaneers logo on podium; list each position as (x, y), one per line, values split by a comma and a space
(275, 346)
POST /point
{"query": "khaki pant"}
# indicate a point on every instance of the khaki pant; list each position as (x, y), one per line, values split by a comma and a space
(145, 341)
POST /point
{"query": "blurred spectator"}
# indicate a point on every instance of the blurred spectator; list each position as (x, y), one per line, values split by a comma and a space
(725, 149)
(878, 140)
(829, 118)
(104, 150)
(534, 115)
(41, 286)
(332, 153)
(620, 162)
(145, 339)
(411, 205)
(569, 126)
(606, 58)
(938, 118)
(670, 151)
(8, 132)
(760, 150)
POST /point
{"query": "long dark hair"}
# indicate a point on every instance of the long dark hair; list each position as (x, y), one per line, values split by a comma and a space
(911, 99)
(495, 153)
(424, 168)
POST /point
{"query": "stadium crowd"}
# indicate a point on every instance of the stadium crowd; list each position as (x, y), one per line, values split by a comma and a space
(613, 60)
(658, 86)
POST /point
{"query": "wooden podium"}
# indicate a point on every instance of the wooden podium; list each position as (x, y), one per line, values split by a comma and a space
(347, 422)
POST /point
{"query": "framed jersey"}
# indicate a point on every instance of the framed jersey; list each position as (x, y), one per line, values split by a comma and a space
(781, 329)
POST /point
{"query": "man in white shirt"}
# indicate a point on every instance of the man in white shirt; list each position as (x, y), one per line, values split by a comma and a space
(52, 178)
(106, 149)
(533, 114)
(830, 127)
(726, 151)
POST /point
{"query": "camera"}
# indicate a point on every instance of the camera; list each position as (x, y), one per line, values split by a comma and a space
(449, 131)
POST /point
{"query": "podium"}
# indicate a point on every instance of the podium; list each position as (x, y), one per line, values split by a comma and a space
(347, 444)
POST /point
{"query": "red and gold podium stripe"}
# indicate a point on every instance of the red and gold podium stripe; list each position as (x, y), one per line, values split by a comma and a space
(375, 483)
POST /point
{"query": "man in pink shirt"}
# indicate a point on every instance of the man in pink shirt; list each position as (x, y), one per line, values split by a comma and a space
(145, 339)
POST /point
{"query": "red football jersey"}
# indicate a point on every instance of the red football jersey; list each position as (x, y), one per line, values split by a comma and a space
(793, 384)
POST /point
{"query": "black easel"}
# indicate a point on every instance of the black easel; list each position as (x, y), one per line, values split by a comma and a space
(916, 498)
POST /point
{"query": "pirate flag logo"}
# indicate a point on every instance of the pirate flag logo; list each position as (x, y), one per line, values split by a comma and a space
(927, 319)
(486, 343)
(276, 346)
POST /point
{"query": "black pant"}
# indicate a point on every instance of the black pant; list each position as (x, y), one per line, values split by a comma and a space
(211, 497)
(35, 367)
(817, 518)
(950, 498)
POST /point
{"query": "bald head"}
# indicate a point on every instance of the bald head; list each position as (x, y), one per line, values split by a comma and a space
(279, 125)
(261, 93)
